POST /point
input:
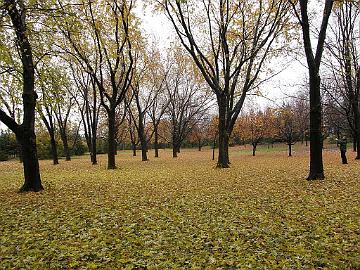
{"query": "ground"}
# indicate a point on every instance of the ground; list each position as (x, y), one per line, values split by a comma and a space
(183, 213)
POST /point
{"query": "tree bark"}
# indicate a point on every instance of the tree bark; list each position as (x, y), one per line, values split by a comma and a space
(254, 145)
(27, 138)
(54, 152)
(316, 142)
(65, 142)
(111, 140)
(156, 141)
(134, 149)
(93, 149)
(223, 158)
(142, 137)
(175, 151)
(290, 149)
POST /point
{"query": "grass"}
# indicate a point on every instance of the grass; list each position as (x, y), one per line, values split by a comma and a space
(183, 214)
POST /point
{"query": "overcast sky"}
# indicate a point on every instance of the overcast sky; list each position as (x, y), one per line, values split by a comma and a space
(157, 27)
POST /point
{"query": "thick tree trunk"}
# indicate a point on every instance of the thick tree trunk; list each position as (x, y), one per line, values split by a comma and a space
(290, 149)
(25, 133)
(54, 152)
(316, 142)
(144, 151)
(175, 151)
(199, 145)
(111, 140)
(254, 145)
(27, 138)
(156, 142)
(223, 158)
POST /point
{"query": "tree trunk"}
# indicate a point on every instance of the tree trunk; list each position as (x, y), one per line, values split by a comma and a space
(213, 149)
(64, 140)
(27, 138)
(134, 149)
(316, 142)
(289, 145)
(54, 152)
(111, 140)
(254, 149)
(175, 151)
(93, 150)
(156, 142)
(199, 145)
(223, 158)
(144, 151)
(142, 137)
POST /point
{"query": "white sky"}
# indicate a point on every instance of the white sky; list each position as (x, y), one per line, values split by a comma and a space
(158, 28)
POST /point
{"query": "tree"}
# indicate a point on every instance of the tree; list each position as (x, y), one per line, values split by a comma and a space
(157, 76)
(343, 65)
(313, 62)
(107, 55)
(230, 42)
(199, 133)
(45, 105)
(25, 133)
(188, 100)
(254, 127)
(89, 107)
(288, 126)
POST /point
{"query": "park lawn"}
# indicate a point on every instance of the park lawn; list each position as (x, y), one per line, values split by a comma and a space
(183, 214)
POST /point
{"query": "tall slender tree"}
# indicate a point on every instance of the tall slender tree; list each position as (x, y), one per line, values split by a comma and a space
(313, 61)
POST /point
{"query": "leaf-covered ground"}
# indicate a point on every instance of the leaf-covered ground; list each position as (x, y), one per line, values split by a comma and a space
(183, 214)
